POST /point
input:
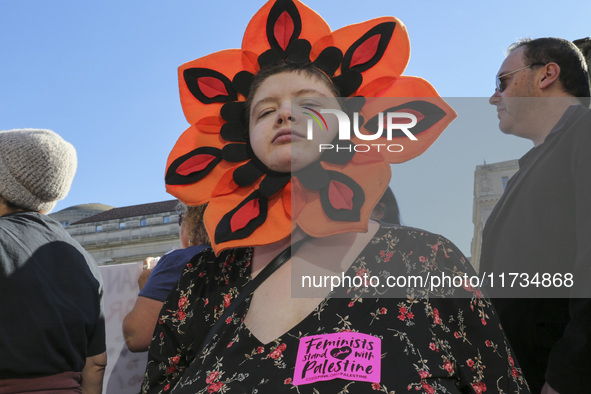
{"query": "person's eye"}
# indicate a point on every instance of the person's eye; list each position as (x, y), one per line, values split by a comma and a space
(502, 84)
(264, 113)
(312, 104)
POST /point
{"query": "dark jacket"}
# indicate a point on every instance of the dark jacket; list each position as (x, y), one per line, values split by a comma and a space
(542, 224)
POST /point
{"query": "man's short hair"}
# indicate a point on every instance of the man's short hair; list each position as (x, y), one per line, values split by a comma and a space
(574, 75)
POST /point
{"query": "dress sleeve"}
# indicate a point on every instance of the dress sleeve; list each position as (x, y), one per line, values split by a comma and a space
(469, 331)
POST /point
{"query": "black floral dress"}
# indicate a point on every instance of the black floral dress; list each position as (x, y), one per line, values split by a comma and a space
(428, 345)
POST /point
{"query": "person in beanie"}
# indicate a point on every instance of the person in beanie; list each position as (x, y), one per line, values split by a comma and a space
(52, 330)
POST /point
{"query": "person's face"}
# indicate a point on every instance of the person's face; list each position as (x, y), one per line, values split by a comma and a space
(278, 124)
(513, 107)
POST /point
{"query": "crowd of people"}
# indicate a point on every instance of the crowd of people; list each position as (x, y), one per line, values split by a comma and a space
(260, 204)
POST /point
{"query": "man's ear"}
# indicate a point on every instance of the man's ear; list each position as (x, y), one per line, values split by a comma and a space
(550, 76)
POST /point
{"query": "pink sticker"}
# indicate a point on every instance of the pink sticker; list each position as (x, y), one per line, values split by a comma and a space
(344, 355)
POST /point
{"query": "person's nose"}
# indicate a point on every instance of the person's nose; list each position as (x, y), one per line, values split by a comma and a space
(285, 114)
(495, 98)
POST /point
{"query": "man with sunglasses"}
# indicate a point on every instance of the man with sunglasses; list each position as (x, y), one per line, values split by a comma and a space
(542, 223)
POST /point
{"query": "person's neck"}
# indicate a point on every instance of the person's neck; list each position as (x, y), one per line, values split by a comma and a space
(550, 112)
(5, 210)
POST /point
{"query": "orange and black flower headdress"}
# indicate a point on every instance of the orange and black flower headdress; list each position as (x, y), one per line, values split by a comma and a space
(212, 161)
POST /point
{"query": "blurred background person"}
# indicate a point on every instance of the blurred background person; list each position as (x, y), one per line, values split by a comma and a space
(52, 336)
(159, 276)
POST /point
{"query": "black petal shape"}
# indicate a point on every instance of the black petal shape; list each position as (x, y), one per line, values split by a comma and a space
(299, 52)
(272, 184)
(353, 104)
(313, 177)
(242, 82)
(348, 82)
(223, 231)
(352, 213)
(342, 155)
(193, 166)
(383, 34)
(283, 11)
(234, 132)
(269, 58)
(431, 114)
(235, 153)
(329, 60)
(234, 111)
(221, 93)
(247, 174)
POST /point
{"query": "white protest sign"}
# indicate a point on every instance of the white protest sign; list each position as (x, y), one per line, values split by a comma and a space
(125, 370)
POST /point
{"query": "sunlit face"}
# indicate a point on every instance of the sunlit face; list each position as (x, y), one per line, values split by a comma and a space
(278, 124)
(514, 103)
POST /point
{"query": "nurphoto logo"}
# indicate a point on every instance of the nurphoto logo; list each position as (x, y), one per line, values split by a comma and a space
(403, 121)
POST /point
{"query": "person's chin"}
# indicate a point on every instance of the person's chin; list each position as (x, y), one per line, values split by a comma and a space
(505, 129)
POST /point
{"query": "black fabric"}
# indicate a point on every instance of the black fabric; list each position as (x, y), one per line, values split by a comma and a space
(542, 223)
(235, 110)
(348, 82)
(223, 231)
(242, 82)
(235, 153)
(174, 178)
(272, 184)
(276, 11)
(385, 31)
(329, 60)
(267, 271)
(343, 155)
(50, 299)
(354, 214)
(432, 114)
(191, 76)
(313, 177)
(234, 132)
(299, 52)
(247, 174)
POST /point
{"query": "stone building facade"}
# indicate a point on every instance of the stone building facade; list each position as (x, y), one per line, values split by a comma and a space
(127, 234)
(78, 212)
(490, 181)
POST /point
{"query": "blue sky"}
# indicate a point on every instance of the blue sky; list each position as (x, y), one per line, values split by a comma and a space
(103, 75)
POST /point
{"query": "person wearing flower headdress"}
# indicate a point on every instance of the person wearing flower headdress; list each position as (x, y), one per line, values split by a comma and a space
(289, 198)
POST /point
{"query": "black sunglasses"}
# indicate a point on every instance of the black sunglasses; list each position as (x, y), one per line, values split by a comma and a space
(499, 78)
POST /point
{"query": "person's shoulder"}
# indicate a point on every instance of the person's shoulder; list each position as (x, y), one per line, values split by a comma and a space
(418, 241)
(26, 225)
(206, 264)
(581, 121)
(408, 233)
(187, 252)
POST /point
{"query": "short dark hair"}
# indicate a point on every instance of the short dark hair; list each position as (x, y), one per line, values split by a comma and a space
(574, 75)
(307, 69)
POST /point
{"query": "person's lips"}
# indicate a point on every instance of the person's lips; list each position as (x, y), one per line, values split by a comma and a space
(286, 135)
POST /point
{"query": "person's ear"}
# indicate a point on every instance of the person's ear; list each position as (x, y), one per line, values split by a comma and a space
(551, 74)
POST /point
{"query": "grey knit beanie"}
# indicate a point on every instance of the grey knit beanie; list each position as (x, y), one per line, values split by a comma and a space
(36, 168)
